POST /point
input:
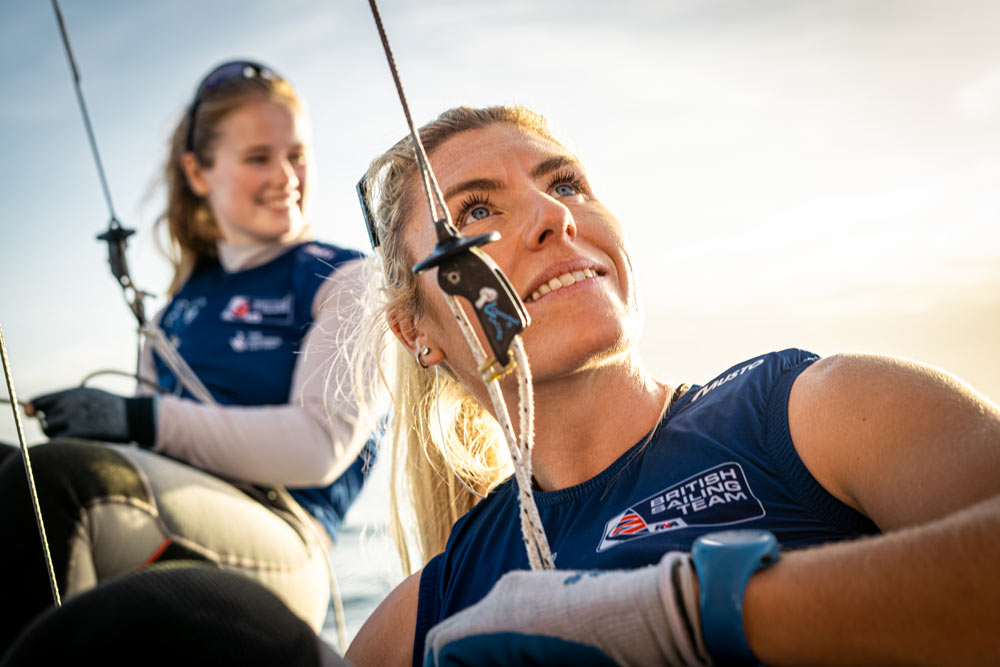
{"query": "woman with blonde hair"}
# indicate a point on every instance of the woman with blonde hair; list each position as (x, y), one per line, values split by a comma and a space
(254, 449)
(890, 543)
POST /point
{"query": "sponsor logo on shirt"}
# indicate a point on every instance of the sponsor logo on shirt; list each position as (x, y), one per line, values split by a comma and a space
(253, 341)
(723, 380)
(183, 310)
(259, 310)
(718, 496)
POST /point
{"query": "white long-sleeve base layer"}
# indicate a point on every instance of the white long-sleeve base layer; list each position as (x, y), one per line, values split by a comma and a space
(307, 442)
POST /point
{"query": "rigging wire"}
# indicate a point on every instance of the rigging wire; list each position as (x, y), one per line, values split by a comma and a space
(451, 246)
(116, 237)
(26, 458)
(86, 116)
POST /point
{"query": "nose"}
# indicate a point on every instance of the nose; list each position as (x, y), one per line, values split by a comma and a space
(551, 220)
(285, 174)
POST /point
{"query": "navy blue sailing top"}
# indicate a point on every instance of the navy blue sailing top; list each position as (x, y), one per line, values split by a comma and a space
(240, 333)
(721, 458)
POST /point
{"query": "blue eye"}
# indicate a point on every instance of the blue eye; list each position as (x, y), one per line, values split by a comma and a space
(565, 190)
(476, 207)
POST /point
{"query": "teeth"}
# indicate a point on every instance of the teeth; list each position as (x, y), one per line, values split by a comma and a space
(565, 280)
(284, 202)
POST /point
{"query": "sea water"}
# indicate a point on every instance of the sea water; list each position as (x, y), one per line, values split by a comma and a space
(364, 557)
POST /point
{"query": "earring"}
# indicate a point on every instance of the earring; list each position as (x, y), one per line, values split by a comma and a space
(424, 351)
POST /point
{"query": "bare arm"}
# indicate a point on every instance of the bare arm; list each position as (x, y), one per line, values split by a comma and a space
(919, 453)
(309, 441)
(386, 638)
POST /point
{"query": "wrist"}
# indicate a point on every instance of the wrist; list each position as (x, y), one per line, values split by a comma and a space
(724, 563)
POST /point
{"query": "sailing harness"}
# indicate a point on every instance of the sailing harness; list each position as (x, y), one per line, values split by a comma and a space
(463, 270)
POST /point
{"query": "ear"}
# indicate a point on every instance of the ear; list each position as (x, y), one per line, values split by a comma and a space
(405, 327)
(195, 174)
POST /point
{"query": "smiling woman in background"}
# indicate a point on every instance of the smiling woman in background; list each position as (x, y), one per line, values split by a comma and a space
(881, 477)
(255, 307)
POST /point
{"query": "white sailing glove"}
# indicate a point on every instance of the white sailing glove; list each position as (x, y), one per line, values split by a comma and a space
(647, 616)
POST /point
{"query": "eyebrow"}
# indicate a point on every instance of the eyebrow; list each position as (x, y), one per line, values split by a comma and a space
(487, 184)
(554, 163)
(269, 147)
(493, 184)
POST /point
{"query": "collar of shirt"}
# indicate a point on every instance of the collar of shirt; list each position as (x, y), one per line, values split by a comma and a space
(235, 258)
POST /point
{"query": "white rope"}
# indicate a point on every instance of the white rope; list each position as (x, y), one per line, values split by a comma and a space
(526, 399)
(520, 446)
(532, 531)
(175, 362)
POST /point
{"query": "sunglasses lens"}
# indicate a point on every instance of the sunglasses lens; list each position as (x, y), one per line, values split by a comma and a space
(239, 69)
(235, 70)
(227, 72)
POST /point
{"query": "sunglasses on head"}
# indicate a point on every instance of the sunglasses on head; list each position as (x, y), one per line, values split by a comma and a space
(235, 69)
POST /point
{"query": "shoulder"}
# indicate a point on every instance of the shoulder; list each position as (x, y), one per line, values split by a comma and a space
(386, 638)
(758, 373)
(875, 429)
(845, 391)
(314, 264)
(205, 268)
(317, 254)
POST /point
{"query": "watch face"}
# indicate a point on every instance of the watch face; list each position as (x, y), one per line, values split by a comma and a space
(724, 537)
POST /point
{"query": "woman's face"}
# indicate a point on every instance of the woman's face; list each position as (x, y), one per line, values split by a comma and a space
(256, 186)
(560, 247)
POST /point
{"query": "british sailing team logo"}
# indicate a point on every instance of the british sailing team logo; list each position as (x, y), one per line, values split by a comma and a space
(719, 496)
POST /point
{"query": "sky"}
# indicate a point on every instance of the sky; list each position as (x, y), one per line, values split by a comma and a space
(790, 174)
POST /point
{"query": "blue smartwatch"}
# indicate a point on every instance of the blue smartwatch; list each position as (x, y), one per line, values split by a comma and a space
(724, 562)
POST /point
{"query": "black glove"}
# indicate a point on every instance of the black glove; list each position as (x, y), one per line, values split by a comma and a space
(97, 415)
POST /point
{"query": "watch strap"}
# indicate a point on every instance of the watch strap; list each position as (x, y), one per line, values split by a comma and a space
(724, 562)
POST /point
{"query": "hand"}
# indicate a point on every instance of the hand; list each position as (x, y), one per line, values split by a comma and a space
(95, 414)
(626, 617)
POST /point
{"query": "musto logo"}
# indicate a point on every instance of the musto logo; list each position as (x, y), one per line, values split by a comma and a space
(719, 496)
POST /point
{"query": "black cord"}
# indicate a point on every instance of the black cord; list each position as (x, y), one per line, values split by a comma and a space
(134, 376)
(86, 116)
(116, 236)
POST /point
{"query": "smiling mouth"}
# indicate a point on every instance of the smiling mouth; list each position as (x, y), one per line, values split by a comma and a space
(282, 203)
(557, 283)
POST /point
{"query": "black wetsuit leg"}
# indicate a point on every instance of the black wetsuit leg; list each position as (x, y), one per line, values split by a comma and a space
(7, 451)
(68, 475)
